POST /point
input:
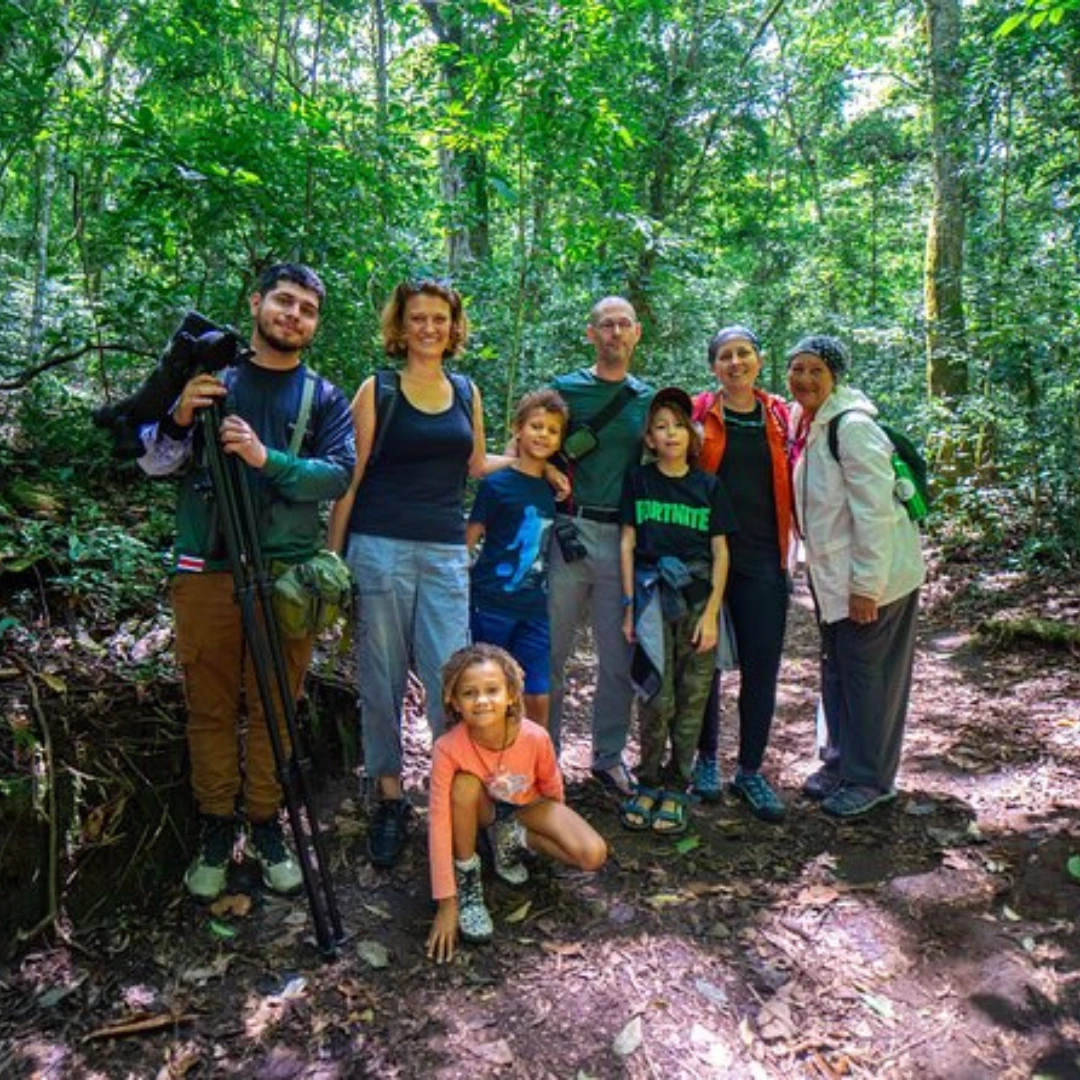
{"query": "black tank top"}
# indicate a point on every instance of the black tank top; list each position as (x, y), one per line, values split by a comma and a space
(416, 488)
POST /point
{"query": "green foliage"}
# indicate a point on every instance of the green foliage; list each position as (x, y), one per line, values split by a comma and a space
(713, 162)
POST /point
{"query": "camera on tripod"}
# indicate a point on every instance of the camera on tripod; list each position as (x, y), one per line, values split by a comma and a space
(198, 345)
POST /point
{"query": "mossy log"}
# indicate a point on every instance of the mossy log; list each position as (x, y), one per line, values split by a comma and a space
(1005, 632)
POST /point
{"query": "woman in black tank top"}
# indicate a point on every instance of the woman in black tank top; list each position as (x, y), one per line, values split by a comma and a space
(402, 528)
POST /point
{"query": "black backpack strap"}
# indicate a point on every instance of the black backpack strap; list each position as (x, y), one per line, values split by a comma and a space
(387, 392)
(834, 435)
(463, 393)
(615, 405)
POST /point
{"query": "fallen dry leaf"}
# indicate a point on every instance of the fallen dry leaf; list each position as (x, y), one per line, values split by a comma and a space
(495, 1053)
(373, 953)
(817, 896)
(519, 913)
(630, 1038)
(659, 901)
(238, 904)
(139, 1024)
(775, 1021)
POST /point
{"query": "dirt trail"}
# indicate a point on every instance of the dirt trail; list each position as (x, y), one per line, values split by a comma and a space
(937, 939)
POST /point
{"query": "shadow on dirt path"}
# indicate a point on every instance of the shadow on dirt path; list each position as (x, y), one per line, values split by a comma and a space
(937, 939)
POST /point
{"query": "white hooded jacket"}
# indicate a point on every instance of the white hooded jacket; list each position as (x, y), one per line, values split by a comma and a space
(859, 539)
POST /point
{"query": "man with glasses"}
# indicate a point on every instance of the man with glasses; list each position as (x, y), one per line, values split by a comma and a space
(608, 407)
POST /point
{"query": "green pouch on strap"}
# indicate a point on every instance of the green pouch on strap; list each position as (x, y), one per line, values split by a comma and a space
(311, 596)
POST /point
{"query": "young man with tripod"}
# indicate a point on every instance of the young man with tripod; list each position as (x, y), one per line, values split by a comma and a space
(295, 456)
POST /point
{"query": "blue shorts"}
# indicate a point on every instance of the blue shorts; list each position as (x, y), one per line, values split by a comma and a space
(528, 641)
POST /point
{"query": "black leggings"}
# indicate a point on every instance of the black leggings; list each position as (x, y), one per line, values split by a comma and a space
(757, 608)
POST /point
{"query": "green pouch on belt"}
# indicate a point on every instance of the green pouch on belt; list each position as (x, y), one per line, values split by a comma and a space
(313, 595)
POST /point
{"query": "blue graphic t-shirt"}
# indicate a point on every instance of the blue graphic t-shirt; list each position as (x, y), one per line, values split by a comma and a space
(510, 576)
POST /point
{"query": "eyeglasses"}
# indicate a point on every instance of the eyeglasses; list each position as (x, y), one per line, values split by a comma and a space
(606, 326)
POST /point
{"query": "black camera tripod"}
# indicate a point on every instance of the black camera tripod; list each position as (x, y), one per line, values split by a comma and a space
(254, 592)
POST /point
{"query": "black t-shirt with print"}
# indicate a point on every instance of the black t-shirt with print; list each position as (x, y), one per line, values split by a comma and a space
(675, 515)
(746, 471)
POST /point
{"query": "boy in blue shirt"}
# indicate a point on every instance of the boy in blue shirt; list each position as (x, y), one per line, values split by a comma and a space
(513, 515)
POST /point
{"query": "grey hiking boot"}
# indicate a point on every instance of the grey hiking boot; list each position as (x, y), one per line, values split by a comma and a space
(508, 845)
(280, 870)
(854, 800)
(205, 877)
(821, 784)
(474, 921)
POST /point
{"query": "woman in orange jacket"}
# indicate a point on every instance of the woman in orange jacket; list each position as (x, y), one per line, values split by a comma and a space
(745, 442)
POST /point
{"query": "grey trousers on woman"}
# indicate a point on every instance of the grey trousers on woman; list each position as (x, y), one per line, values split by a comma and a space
(865, 686)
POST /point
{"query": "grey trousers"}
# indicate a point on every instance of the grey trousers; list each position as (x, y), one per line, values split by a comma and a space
(592, 585)
(865, 686)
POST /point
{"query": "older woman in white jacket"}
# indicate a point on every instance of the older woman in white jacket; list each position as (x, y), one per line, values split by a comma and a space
(866, 566)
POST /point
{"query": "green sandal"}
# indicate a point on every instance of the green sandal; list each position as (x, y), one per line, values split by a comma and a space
(670, 817)
(635, 813)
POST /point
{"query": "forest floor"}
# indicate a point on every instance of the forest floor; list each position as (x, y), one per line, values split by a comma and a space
(938, 938)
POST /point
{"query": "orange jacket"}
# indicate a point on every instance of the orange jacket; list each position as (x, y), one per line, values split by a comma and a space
(709, 412)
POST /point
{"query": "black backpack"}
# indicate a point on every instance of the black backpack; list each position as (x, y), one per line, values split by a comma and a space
(910, 456)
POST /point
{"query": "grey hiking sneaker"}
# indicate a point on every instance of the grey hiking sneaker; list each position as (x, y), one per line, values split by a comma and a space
(280, 870)
(205, 877)
(508, 844)
(474, 921)
(854, 800)
(758, 794)
(821, 784)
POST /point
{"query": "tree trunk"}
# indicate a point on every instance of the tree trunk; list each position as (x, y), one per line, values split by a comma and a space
(44, 227)
(946, 355)
(464, 172)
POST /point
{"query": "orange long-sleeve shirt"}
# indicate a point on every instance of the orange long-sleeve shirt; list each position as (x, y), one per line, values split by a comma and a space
(522, 773)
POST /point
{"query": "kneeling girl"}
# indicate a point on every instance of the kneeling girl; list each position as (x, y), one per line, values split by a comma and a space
(494, 768)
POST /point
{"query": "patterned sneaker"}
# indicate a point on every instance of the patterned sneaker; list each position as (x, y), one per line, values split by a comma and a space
(474, 921)
(821, 784)
(205, 877)
(508, 845)
(854, 800)
(280, 870)
(387, 832)
(705, 782)
(758, 794)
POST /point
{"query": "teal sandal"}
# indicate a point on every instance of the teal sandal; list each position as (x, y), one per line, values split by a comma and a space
(634, 814)
(670, 816)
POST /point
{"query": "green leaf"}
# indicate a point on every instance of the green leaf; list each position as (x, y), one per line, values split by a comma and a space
(687, 844)
(1010, 24)
(1073, 866)
(221, 929)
